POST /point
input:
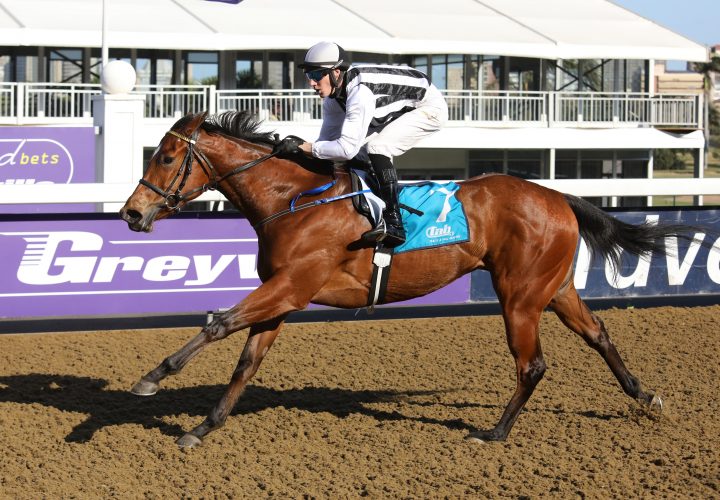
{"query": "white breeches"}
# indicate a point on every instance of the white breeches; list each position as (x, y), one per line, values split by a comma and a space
(406, 131)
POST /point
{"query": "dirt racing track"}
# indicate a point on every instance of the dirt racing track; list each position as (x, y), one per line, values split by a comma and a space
(376, 408)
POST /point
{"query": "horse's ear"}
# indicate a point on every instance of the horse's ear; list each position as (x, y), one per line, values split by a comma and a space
(195, 123)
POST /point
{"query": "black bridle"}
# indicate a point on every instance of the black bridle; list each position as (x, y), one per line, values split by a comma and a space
(174, 199)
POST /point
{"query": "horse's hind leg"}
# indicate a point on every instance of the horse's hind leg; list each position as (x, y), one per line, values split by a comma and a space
(575, 314)
(149, 383)
(522, 318)
(260, 338)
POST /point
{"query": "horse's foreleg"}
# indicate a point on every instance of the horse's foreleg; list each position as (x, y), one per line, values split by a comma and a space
(149, 383)
(575, 314)
(258, 343)
(521, 326)
(271, 300)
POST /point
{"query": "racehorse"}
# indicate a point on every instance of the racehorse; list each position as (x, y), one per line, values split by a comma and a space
(523, 234)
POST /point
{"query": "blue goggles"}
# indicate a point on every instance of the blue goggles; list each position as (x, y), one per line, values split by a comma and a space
(317, 74)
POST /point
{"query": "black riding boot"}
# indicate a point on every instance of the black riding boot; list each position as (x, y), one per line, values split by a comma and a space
(390, 230)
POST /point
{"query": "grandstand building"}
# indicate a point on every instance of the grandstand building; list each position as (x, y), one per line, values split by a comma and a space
(541, 89)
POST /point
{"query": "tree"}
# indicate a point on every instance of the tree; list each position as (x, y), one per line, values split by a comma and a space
(711, 115)
(714, 120)
(247, 79)
(667, 159)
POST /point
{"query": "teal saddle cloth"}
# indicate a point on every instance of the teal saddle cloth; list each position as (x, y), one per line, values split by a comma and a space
(443, 220)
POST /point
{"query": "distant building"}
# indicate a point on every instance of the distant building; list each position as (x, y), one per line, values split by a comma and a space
(715, 52)
(539, 89)
(677, 82)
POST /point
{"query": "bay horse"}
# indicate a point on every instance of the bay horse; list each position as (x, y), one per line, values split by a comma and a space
(523, 234)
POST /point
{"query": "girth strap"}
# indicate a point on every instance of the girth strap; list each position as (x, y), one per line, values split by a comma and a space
(382, 259)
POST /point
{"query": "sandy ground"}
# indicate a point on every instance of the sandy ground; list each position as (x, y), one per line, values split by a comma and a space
(377, 408)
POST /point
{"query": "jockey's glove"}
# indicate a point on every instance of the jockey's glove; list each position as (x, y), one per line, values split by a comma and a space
(290, 145)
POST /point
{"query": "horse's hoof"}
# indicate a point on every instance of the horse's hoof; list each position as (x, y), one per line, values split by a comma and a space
(144, 388)
(475, 438)
(189, 441)
(483, 437)
(656, 404)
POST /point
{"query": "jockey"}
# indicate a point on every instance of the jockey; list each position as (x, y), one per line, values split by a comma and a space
(381, 108)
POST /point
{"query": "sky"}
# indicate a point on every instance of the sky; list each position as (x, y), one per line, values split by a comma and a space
(698, 20)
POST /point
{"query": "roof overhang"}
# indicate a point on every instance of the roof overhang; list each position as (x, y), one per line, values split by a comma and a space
(550, 29)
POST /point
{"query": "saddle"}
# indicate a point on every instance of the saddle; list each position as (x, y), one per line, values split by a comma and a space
(361, 180)
(370, 205)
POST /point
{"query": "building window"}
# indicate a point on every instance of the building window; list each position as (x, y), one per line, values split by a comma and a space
(280, 71)
(430, 175)
(420, 64)
(65, 66)
(595, 75)
(201, 68)
(604, 164)
(6, 69)
(567, 164)
(439, 71)
(446, 72)
(635, 76)
(248, 74)
(485, 161)
(143, 71)
(523, 163)
(523, 74)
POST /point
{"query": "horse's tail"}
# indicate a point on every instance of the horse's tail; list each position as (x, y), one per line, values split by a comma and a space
(606, 236)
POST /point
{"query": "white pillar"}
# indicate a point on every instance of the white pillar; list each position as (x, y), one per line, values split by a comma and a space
(118, 117)
(104, 49)
(699, 172)
(651, 77)
(650, 173)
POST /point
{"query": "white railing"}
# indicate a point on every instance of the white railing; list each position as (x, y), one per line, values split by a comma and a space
(55, 100)
(597, 109)
(8, 100)
(499, 108)
(27, 103)
(174, 101)
(297, 105)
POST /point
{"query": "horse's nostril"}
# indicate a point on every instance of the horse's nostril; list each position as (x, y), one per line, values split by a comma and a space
(131, 215)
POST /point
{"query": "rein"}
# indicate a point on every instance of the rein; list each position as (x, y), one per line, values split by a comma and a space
(173, 200)
(296, 208)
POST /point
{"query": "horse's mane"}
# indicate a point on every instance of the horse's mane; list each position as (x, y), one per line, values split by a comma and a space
(244, 125)
(239, 124)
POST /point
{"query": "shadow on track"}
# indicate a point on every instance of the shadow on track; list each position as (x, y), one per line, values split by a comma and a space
(105, 408)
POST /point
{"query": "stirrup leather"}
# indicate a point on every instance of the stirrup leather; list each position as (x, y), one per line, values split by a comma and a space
(376, 234)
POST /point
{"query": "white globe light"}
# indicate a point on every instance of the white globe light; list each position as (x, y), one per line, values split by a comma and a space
(118, 77)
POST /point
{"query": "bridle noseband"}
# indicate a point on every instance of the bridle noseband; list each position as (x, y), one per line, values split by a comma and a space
(174, 199)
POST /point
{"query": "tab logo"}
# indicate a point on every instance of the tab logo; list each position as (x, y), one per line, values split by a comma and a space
(433, 232)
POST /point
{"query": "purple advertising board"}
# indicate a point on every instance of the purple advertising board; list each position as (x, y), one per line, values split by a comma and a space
(688, 269)
(47, 155)
(95, 266)
(76, 265)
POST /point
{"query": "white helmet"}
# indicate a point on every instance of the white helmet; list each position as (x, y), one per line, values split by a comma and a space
(325, 55)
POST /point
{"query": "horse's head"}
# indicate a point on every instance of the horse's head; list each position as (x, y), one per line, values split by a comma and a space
(170, 180)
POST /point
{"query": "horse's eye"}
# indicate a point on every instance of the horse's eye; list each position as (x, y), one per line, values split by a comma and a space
(167, 160)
